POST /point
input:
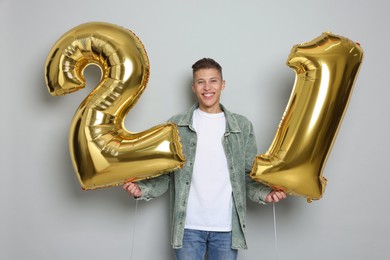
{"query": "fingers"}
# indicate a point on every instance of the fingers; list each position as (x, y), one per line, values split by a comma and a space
(132, 189)
(280, 194)
(276, 196)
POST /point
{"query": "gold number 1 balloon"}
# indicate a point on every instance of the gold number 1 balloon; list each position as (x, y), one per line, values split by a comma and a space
(103, 152)
(325, 68)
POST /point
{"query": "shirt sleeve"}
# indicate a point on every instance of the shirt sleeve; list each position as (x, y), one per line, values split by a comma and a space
(256, 191)
(155, 187)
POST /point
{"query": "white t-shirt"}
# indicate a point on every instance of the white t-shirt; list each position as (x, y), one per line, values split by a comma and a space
(210, 198)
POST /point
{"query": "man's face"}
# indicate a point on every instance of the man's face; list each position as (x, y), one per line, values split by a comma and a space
(207, 86)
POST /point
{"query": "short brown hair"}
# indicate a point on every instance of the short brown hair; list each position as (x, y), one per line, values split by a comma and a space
(206, 63)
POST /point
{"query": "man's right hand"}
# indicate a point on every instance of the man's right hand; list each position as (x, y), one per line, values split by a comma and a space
(132, 189)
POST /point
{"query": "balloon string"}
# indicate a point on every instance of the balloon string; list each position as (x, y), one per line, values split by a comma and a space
(134, 225)
(275, 233)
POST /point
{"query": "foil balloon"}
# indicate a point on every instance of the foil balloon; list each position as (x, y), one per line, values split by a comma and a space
(103, 152)
(326, 69)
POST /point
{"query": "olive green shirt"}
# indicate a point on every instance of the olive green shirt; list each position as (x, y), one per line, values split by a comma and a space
(240, 148)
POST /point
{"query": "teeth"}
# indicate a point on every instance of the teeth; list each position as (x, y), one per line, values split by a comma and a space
(208, 94)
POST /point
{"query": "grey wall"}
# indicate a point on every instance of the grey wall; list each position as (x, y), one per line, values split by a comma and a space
(45, 214)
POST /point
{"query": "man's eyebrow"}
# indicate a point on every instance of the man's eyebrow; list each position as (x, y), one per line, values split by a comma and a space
(208, 78)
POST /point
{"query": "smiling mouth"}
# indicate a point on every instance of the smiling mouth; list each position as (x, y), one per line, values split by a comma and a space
(208, 94)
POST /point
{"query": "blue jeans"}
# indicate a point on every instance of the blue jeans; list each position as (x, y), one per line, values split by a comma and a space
(196, 243)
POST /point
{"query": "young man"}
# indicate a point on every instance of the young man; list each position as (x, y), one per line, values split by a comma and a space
(208, 195)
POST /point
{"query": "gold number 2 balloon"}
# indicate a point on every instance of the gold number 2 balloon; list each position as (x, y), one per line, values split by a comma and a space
(103, 152)
(325, 68)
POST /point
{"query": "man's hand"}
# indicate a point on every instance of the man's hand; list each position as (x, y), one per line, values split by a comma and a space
(275, 196)
(132, 189)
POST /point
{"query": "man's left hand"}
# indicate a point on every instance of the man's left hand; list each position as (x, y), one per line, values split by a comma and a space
(275, 196)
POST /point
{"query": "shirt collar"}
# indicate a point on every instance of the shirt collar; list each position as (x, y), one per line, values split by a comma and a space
(231, 122)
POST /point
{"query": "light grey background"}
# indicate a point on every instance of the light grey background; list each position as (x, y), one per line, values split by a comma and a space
(45, 214)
